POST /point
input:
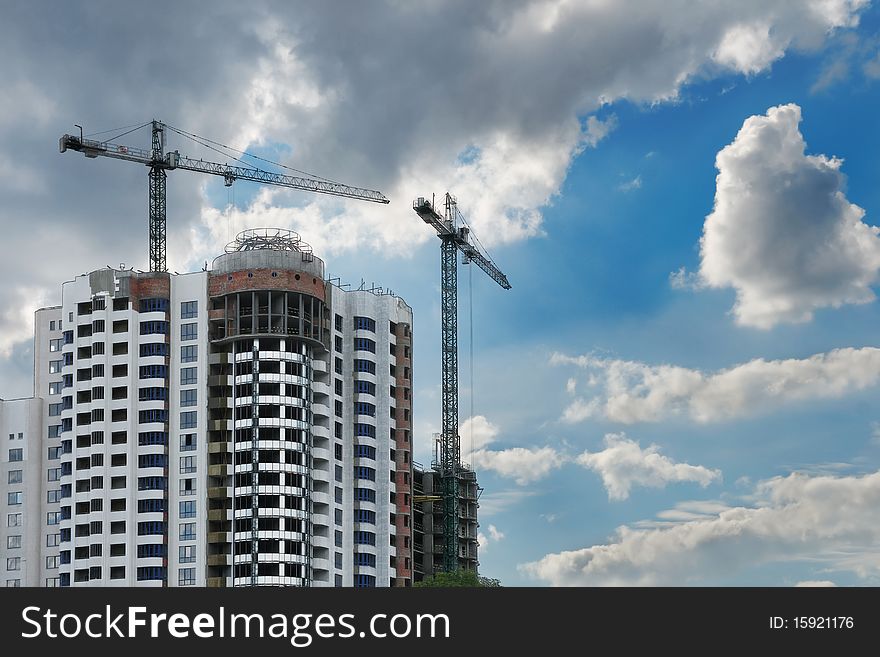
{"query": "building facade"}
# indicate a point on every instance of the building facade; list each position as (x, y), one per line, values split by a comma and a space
(245, 425)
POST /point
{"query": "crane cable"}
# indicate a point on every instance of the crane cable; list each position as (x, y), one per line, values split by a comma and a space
(196, 139)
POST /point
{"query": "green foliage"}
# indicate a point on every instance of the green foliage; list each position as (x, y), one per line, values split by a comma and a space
(458, 578)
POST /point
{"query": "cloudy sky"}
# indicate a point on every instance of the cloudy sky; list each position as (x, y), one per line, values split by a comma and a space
(681, 386)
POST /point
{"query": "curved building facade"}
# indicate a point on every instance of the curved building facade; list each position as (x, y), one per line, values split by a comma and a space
(244, 425)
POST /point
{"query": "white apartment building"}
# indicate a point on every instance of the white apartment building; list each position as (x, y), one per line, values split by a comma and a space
(244, 425)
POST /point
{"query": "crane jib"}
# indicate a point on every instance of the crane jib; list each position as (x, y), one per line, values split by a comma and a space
(161, 161)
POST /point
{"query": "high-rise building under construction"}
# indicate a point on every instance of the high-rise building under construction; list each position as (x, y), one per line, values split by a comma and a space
(244, 425)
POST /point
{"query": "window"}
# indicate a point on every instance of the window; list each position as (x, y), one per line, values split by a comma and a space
(338, 538)
(55, 453)
(364, 408)
(337, 516)
(187, 464)
(52, 325)
(98, 326)
(187, 554)
(187, 531)
(151, 506)
(365, 559)
(55, 345)
(364, 344)
(151, 551)
(53, 496)
(337, 560)
(337, 343)
(361, 365)
(366, 387)
(55, 431)
(363, 472)
(16, 454)
(52, 562)
(363, 515)
(337, 408)
(98, 347)
(54, 366)
(13, 563)
(337, 365)
(188, 420)
(368, 430)
(14, 477)
(153, 415)
(188, 509)
(152, 438)
(153, 305)
(187, 577)
(151, 483)
(151, 528)
(13, 542)
(189, 309)
(337, 449)
(338, 475)
(364, 495)
(364, 538)
(13, 520)
(120, 348)
(338, 386)
(187, 486)
(188, 375)
(365, 324)
(120, 303)
(55, 410)
(150, 573)
(154, 372)
(53, 540)
(189, 353)
(187, 442)
(153, 349)
(55, 388)
(154, 328)
(53, 518)
(151, 461)
(189, 397)
(153, 394)
(189, 331)
(366, 452)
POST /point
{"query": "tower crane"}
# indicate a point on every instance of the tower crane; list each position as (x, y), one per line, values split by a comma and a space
(453, 238)
(161, 162)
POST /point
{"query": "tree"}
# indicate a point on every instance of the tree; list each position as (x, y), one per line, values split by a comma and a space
(458, 578)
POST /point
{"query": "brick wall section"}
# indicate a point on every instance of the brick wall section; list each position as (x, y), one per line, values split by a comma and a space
(262, 279)
(403, 451)
(148, 286)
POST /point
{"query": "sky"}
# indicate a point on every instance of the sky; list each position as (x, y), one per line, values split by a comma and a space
(680, 387)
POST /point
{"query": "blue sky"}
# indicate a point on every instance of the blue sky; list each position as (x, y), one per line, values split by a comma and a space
(709, 433)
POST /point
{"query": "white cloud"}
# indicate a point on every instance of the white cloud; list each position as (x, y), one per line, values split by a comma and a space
(782, 233)
(494, 503)
(376, 109)
(630, 391)
(524, 465)
(18, 316)
(631, 185)
(815, 583)
(476, 433)
(833, 521)
(623, 464)
(749, 48)
(494, 536)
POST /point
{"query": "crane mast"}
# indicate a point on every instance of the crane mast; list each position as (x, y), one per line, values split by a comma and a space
(453, 238)
(160, 162)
